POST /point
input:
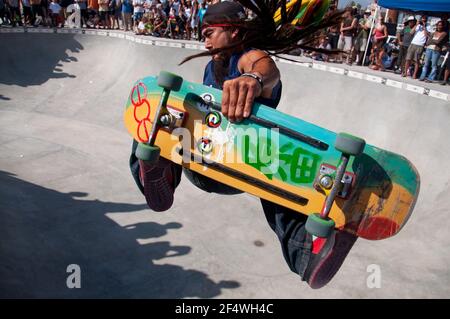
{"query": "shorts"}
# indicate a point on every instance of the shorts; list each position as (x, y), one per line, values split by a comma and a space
(345, 43)
(414, 53)
(138, 16)
(102, 15)
(360, 44)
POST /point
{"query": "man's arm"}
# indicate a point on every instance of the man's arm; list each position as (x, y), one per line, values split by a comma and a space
(240, 93)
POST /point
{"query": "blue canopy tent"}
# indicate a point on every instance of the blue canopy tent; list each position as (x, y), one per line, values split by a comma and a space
(417, 5)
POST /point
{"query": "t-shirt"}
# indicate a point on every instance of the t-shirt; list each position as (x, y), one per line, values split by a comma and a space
(93, 4)
(54, 7)
(26, 3)
(201, 13)
(127, 6)
(138, 6)
(14, 3)
(419, 36)
(407, 36)
(176, 7)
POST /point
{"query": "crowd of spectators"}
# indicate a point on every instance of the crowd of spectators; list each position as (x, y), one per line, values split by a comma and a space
(177, 19)
(416, 51)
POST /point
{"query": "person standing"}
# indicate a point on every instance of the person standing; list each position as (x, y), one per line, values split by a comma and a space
(127, 11)
(435, 45)
(404, 38)
(347, 30)
(14, 10)
(362, 37)
(415, 50)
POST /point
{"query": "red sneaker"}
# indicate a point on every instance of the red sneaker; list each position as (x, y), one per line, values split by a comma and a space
(327, 256)
(159, 184)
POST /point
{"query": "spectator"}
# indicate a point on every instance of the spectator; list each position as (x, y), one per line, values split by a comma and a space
(45, 14)
(201, 13)
(379, 38)
(404, 38)
(360, 46)
(26, 9)
(35, 11)
(127, 10)
(14, 11)
(93, 12)
(3, 14)
(138, 11)
(115, 9)
(187, 10)
(55, 12)
(143, 27)
(323, 44)
(103, 11)
(194, 18)
(435, 44)
(172, 25)
(347, 30)
(159, 24)
(83, 12)
(415, 50)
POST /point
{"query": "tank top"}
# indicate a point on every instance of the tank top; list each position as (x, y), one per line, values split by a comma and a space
(209, 80)
(378, 33)
(348, 23)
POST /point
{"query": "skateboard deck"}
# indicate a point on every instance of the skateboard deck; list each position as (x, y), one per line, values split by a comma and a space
(276, 157)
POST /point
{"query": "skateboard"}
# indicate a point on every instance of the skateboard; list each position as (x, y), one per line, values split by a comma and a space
(338, 180)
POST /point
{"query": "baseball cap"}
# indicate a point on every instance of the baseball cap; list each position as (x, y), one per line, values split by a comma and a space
(410, 18)
(224, 12)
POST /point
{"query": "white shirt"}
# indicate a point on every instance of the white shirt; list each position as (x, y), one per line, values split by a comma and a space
(140, 8)
(419, 36)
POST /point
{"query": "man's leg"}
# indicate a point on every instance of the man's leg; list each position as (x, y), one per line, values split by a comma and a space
(315, 260)
(434, 64)
(425, 65)
(157, 182)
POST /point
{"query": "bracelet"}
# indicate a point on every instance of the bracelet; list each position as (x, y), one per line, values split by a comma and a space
(257, 78)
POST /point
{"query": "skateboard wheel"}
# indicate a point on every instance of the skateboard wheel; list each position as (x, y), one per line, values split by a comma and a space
(349, 144)
(317, 226)
(169, 81)
(148, 153)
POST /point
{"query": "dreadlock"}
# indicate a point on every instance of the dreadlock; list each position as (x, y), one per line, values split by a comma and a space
(279, 27)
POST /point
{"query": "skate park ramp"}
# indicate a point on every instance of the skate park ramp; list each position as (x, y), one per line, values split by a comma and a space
(67, 195)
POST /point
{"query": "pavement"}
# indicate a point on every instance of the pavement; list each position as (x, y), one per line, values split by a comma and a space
(67, 196)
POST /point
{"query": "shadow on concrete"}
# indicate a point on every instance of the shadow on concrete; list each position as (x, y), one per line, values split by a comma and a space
(33, 59)
(43, 231)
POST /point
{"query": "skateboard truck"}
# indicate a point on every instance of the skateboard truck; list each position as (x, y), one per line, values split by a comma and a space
(319, 224)
(325, 179)
(164, 117)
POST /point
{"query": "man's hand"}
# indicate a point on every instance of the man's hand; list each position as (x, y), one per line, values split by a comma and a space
(238, 97)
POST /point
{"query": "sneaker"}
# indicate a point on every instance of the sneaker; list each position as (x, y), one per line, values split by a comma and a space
(443, 83)
(159, 184)
(327, 256)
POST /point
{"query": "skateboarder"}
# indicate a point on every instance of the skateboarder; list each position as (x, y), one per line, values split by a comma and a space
(245, 75)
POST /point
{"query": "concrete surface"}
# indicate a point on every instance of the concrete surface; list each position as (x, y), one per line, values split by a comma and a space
(67, 196)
